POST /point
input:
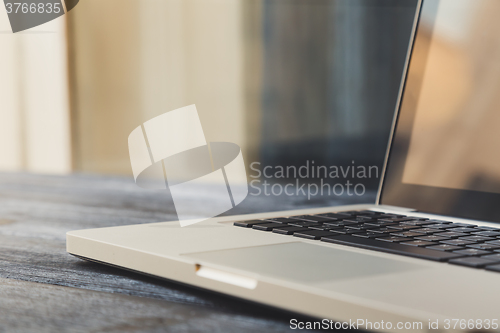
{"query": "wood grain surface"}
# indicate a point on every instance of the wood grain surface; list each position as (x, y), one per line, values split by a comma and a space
(44, 289)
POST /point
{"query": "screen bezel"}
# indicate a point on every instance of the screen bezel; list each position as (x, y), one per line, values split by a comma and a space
(436, 200)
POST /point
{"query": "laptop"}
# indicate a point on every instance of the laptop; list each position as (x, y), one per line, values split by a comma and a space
(425, 256)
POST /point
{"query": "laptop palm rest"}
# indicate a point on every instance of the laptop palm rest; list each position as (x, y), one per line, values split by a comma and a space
(303, 262)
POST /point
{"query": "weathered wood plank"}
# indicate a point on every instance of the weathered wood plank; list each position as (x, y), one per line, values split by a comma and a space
(34, 307)
(35, 270)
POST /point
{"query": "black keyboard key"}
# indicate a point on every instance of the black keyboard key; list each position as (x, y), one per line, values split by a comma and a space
(267, 226)
(464, 225)
(289, 230)
(368, 235)
(473, 252)
(407, 234)
(358, 220)
(419, 243)
(396, 219)
(404, 227)
(440, 226)
(457, 242)
(360, 226)
(311, 234)
(384, 230)
(298, 217)
(472, 262)
(432, 238)
(327, 219)
(380, 223)
(395, 248)
(494, 268)
(312, 218)
(366, 217)
(417, 222)
(484, 246)
(352, 213)
(489, 229)
(338, 224)
(345, 231)
(389, 216)
(369, 217)
(487, 233)
(476, 238)
(392, 239)
(303, 224)
(323, 227)
(446, 247)
(495, 257)
(249, 224)
(466, 230)
(427, 230)
(450, 234)
(283, 220)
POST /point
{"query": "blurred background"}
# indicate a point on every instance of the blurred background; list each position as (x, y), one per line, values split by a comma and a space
(287, 80)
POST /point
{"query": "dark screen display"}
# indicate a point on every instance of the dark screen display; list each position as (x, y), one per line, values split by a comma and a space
(444, 156)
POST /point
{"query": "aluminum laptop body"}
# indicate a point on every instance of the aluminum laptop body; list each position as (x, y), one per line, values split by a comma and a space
(440, 173)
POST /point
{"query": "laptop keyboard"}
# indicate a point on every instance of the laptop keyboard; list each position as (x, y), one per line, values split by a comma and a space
(456, 243)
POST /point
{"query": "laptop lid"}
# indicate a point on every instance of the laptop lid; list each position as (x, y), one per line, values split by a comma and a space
(444, 155)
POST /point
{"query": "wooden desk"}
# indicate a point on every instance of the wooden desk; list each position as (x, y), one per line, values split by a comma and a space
(44, 289)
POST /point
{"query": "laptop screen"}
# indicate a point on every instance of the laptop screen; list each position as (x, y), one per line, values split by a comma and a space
(444, 157)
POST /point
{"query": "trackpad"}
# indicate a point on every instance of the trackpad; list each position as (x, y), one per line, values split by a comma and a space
(304, 262)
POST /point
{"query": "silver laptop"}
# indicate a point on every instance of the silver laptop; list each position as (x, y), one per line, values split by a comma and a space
(426, 256)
